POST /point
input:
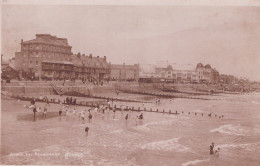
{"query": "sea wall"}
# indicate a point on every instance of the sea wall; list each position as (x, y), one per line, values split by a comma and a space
(26, 90)
(45, 89)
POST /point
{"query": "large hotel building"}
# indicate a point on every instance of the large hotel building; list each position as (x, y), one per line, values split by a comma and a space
(50, 56)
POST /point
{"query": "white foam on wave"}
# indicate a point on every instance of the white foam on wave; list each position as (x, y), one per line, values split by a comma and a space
(52, 130)
(230, 129)
(255, 102)
(115, 119)
(116, 131)
(247, 146)
(194, 162)
(257, 130)
(181, 120)
(166, 145)
(146, 128)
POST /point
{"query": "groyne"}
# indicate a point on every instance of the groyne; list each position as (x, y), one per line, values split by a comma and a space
(94, 104)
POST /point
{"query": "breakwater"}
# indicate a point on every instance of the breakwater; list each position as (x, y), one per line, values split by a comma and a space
(94, 104)
(160, 95)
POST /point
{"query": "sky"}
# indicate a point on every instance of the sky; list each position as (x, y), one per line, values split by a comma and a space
(226, 37)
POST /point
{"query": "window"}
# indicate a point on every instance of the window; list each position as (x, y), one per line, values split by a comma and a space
(36, 63)
(31, 62)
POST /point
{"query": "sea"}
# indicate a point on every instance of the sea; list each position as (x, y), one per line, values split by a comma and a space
(163, 139)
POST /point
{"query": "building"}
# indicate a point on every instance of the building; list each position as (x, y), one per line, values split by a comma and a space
(177, 73)
(96, 68)
(206, 73)
(45, 55)
(124, 72)
(226, 79)
(8, 73)
(50, 56)
(182, 73)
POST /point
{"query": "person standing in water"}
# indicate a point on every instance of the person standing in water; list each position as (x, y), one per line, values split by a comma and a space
(44, 112)
(86, 130)
(83, 118)
(89, 117)
(126, 117)
(60, 112)
(34, 111)
(216, 153)
(141, 116)
(211, 148)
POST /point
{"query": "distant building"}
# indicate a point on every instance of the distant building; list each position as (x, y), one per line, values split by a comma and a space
(226, 79)
(206, 73)
(183, 73)
(50, 56)
(124, 72)
(7, 72)
(4, 62)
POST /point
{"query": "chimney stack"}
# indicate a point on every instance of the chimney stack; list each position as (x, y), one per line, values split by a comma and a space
(105, 58)
(78, 55)
(90, 55)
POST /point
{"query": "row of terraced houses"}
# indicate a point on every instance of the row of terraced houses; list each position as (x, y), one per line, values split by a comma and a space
(48, 56)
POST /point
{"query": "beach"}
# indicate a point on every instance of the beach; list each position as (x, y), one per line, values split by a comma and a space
(158, 139)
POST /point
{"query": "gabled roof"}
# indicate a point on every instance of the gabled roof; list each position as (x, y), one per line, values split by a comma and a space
(77, 61)
(94, 62)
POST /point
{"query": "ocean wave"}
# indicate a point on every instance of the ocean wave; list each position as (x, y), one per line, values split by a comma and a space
(247, 146)
(52, 130)
(194, 162)
(255, 102)
(146, 128)
(143, 127)
(230, 129)
(166, 145)
(116, 131)
(257, 131)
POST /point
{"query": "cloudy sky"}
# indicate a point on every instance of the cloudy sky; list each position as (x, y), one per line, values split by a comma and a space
(228, 38)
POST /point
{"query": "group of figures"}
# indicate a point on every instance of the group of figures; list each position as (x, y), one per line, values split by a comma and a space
(213, 150)
(65, 110)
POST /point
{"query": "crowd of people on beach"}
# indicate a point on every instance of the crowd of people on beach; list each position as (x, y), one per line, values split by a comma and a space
(66, 110)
